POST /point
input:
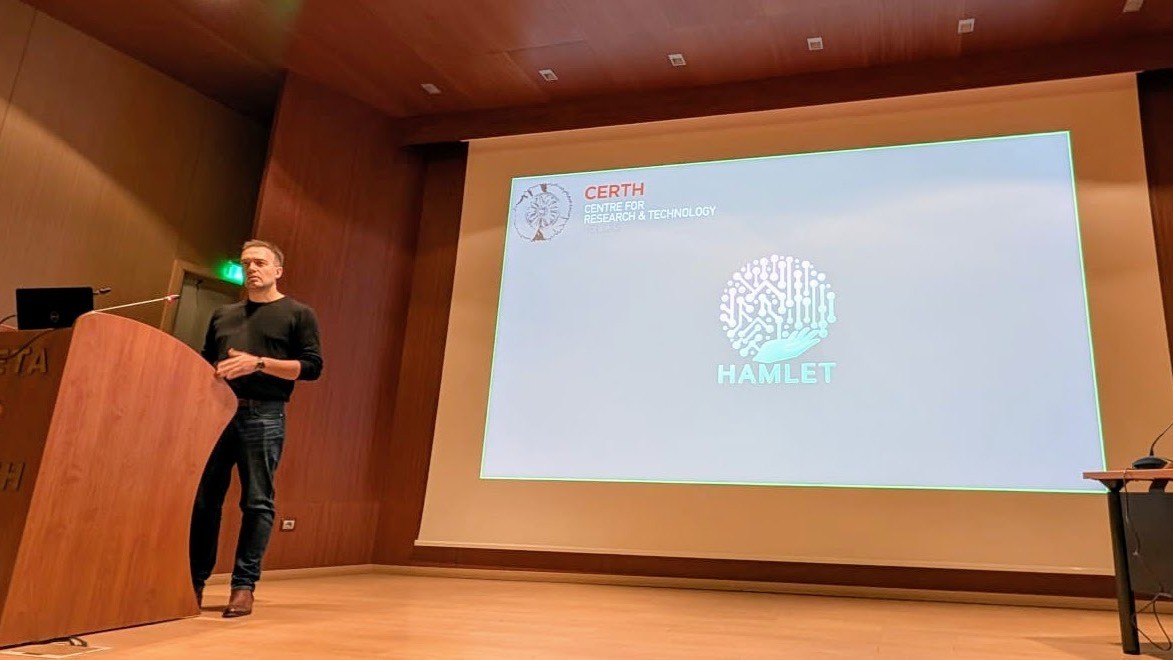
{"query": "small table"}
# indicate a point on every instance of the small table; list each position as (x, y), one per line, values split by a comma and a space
(1115, 481)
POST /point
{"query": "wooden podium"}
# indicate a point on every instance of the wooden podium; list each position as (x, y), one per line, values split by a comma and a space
(104, 431)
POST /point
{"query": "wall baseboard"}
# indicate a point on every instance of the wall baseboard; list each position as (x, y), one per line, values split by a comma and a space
(927, 595)
(301, 573)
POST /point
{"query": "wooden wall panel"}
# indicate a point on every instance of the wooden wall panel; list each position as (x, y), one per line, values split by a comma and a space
(1156, 116)
(341, 199)
(110, 170)
(16, 19)
(219, 209)
(230, 51)
(406, 437)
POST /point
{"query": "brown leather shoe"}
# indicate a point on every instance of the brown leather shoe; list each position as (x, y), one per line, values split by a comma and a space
(239, 604)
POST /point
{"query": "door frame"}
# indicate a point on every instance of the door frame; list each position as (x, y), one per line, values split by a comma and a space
(179, 271)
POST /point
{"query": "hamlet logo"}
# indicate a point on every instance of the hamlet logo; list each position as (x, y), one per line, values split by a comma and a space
(773, 310)
(541, 211)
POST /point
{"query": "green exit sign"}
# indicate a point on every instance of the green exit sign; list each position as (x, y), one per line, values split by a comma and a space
(230, 271)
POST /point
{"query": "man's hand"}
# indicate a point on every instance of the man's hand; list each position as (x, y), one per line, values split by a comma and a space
(238, 364)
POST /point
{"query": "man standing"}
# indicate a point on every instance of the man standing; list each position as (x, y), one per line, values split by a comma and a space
(260, 346)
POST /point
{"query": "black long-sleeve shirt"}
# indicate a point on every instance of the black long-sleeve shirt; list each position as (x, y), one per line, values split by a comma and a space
(283, 330)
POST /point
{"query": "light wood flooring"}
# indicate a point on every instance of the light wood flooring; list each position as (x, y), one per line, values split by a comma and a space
(395, 616)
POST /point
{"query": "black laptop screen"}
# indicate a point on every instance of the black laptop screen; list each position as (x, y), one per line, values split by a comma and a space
(56, 307)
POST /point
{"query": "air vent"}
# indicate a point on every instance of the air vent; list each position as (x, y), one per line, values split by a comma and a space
(676, 59)
(965, 26)
(548, 74)
(814, 43)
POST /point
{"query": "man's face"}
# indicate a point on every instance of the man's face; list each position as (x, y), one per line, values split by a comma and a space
(260, 268)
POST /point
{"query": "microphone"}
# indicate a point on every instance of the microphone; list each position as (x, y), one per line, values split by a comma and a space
(1152, 462)
(174, 296)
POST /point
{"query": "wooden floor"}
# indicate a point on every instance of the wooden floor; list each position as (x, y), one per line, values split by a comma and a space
(391, 616)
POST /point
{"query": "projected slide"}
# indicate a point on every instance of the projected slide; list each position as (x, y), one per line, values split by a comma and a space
(910, 317)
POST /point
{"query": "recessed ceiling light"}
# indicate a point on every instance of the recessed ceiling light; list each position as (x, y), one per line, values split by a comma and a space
(1132, 5)
(677, 59)
(430, 88)
(548, 74)
(965, 26)
(814, 43)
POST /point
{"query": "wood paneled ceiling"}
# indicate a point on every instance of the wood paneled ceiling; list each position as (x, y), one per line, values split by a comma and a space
(486, 54)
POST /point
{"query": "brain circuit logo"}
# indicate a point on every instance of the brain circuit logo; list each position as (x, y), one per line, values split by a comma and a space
(773, 310)
(541, 211)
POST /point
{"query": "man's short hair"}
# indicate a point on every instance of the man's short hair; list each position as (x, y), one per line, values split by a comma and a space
(255, 243)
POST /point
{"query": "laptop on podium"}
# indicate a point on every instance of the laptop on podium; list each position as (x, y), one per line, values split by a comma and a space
(52, 307)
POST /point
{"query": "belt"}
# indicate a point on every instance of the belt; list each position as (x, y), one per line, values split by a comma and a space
(254, 404)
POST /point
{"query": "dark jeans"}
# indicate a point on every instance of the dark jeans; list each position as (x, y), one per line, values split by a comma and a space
(252, 442)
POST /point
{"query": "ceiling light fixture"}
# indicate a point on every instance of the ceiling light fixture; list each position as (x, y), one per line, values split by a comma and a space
(965, 26)
(814, 43)
(548, 74)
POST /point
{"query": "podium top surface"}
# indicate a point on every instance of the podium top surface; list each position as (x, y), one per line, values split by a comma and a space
(1131, 475)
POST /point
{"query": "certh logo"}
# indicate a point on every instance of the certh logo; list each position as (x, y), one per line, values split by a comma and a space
(541, 211)
(773, 310)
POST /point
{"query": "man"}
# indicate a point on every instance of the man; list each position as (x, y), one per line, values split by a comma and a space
(260, 346)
